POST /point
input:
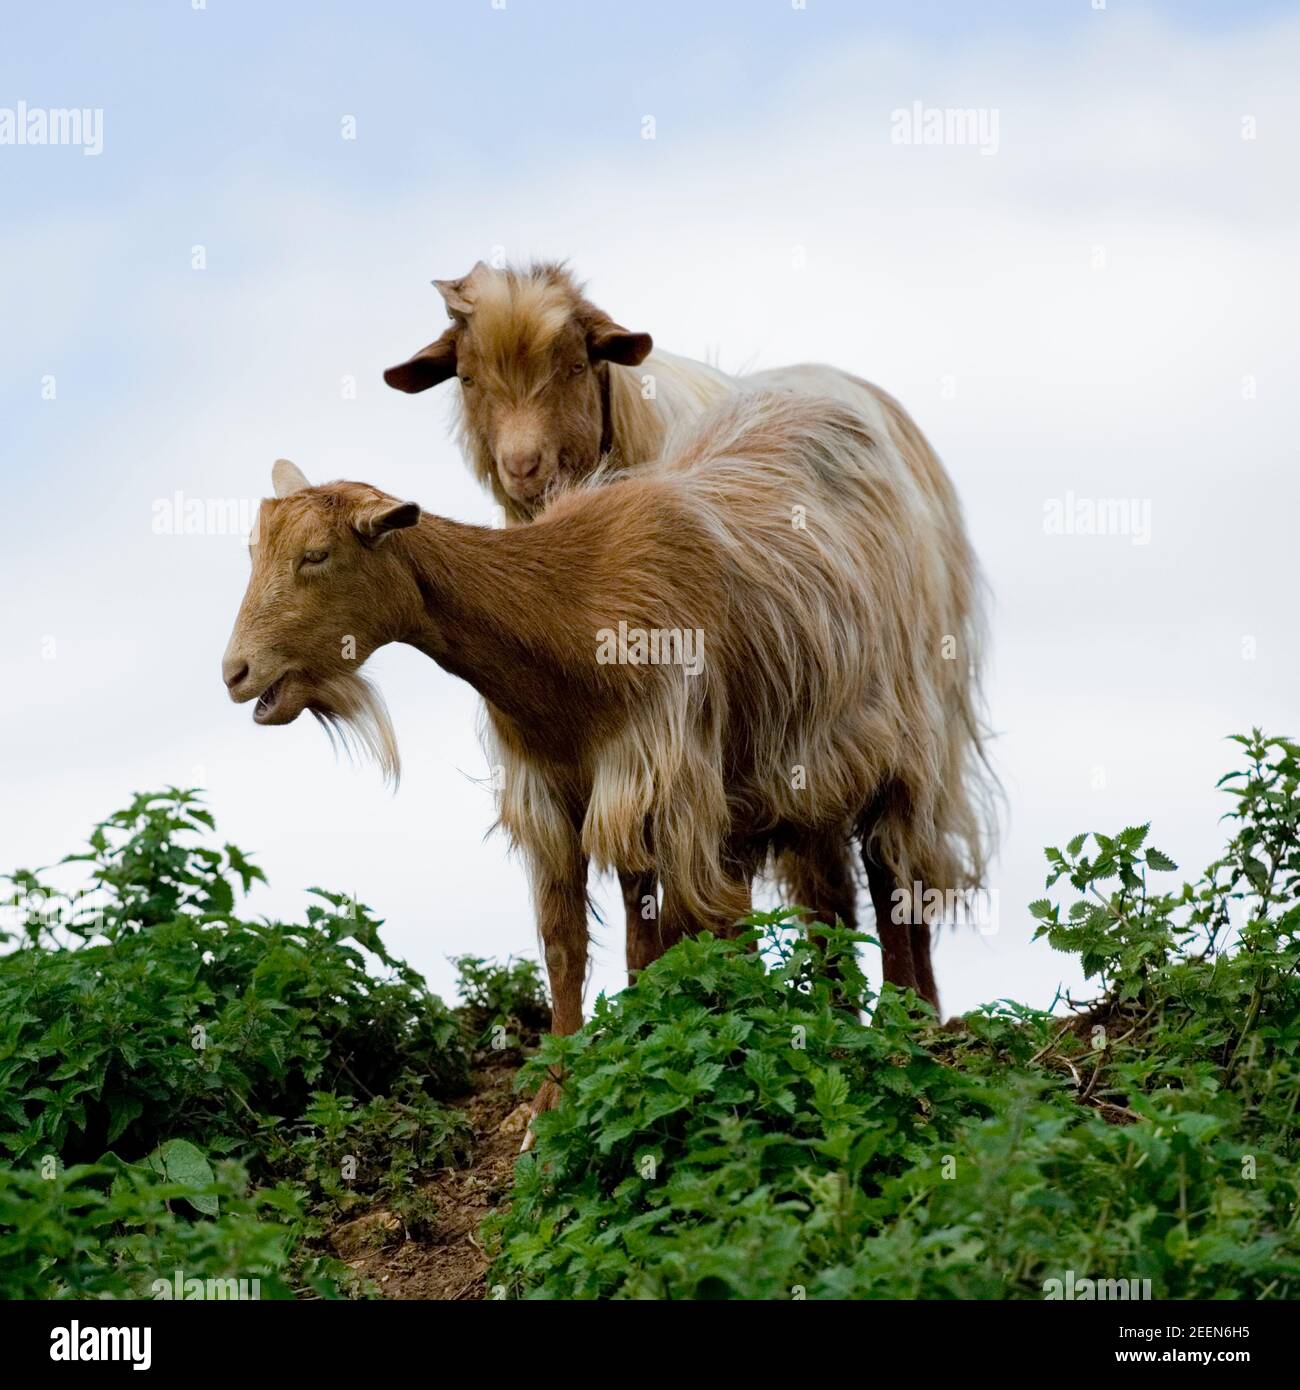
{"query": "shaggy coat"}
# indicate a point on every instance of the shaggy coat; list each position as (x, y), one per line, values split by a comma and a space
(825, 584)
(553, 392)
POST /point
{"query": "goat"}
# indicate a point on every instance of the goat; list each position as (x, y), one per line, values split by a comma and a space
(782, 532)
(552, 391)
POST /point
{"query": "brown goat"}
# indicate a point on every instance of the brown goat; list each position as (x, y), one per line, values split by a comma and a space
(822, 700)
(549, 395)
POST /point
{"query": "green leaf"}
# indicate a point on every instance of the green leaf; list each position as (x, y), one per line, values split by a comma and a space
(122, 1110)
(830, 1091)
(179, 1161)
(221, 895)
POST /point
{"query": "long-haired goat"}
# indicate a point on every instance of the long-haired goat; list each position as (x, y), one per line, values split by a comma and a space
(819, 589)
(552, 389)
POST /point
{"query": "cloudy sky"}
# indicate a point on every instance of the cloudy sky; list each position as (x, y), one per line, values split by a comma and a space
(1093, 301)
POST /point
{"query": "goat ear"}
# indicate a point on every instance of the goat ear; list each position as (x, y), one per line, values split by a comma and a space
(376, 521)
(428, 367)
(608, 341)
(287, 478)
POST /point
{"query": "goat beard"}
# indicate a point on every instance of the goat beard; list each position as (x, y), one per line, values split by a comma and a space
(355, 719)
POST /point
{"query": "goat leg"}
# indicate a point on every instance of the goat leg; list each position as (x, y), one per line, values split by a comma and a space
(905, 946)
(818, 875)
(645, 938)
(560, 898)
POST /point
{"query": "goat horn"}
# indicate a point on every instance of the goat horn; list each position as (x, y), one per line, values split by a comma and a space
(287, 478)
(453, 298)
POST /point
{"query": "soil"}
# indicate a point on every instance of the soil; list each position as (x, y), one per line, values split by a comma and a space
(446, 1260)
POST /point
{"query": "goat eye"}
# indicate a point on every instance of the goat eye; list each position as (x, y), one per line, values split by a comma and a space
(314, 557)
(467, 381)
(578, 367)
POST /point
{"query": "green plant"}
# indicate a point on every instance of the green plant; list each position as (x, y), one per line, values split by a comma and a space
(145, 1018)
(502, 1002)
(725, 1131)
(343, 1155)
(112, 1230)
(174, 1017)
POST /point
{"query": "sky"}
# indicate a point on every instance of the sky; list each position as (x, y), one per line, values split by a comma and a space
(1089, 307)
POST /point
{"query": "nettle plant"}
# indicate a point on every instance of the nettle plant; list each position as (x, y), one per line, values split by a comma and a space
(728, 1129)
(504, 1005)
(150, 1035)
(166, 1013)
(1130, 935)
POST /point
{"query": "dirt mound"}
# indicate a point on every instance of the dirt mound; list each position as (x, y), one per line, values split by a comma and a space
(446, 1259)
